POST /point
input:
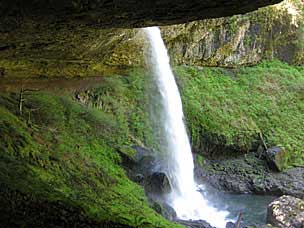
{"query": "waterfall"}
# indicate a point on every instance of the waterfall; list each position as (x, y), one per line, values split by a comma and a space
(184, 198)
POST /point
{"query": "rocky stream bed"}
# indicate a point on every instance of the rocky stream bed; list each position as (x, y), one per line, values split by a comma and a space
(247, 182)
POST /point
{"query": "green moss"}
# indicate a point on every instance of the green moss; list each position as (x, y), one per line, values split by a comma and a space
(237, 106)
(123, 98)
(246, 39)
(48, 68)
(200, 160)
(69, 50)
(60, 150)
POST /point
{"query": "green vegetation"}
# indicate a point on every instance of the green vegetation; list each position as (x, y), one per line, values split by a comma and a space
(240, 107)
(58, 149)
(62, 149)
(123, 99)
(200, 160)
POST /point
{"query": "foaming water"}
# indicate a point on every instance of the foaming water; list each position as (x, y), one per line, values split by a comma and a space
(188, 203)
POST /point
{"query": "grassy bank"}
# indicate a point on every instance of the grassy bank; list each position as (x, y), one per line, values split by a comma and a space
(241, 107)
(67, 147)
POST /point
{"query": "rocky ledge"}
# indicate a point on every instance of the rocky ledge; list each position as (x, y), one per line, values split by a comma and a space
(251, 174)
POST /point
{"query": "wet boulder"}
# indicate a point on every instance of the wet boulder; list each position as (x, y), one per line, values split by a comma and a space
(168, 212)
(145, 160)
(286, 212)
(157, 183)
(230, 225)
(165, 210)
(275, 157)
(140, 165)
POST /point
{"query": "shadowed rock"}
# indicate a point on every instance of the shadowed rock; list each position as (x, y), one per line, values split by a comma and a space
(123, 13)
(250, 174)
(158, 183)
(275, 158)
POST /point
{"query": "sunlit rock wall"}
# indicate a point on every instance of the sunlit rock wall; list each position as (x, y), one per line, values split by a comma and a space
(271, 32)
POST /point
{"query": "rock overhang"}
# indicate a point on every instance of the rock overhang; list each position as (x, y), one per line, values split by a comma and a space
(71, 38)
(124, 13)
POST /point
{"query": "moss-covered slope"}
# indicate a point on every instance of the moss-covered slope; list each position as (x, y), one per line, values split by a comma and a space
(57, 150)
(64, 150)
(236, 110)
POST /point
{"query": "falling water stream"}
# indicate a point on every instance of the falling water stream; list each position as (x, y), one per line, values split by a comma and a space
(188, 203)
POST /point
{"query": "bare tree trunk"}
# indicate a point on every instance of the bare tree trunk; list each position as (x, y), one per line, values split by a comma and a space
(238, 222)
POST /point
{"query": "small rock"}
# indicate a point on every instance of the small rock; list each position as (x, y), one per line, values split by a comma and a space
(139, 178)
(156, 206)
(286, 212)
(200, 68)
(145, 160)
(275, 157)
(260, 150)
(230, 225)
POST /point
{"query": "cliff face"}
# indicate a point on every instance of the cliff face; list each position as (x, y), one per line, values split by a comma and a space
(272, 32)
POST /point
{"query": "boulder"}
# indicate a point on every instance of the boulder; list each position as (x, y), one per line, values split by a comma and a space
(275, 157)
(168, 212)
(237, 224)
(158, 184)
(286, 212)
(230, 225)
(139, 166)
(165, 210)
(145, 160)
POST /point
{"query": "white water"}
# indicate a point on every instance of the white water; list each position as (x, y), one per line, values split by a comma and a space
(188, 203)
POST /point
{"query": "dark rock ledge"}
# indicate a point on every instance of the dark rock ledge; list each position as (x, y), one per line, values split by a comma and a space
(123, 13)
(251, 174)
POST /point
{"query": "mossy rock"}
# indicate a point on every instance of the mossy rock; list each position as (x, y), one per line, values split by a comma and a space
(276, 158)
